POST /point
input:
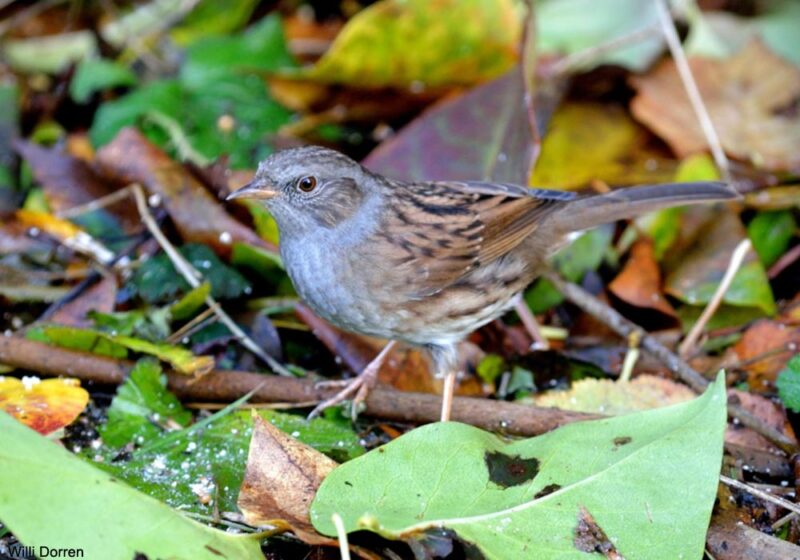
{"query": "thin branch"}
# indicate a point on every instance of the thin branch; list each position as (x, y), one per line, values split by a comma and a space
(581, 58)
(227, 386)
(697, 382)
(737, 258)
(689, 83)
(96, 204)
(631, 357)
(341, 535)
(194, 278)
(760, 494)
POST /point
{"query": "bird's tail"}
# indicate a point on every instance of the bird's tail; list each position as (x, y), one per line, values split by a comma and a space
(591, 211)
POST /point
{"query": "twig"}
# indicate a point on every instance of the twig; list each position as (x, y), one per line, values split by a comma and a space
(690, 85)
(788, 258)
(580, 58)
(737, 258)
(760, 494)
(631, 357)
(94, 276)
(96, 204)
(341, 535)
(194, 278)
(697, 382)
(227, 386)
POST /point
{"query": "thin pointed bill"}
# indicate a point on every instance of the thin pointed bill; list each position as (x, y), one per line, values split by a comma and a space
(255, 191)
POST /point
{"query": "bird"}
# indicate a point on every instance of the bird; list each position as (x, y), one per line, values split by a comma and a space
(425, 262)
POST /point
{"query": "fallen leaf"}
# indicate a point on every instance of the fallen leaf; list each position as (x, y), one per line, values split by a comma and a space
(99, 297)
(594, 141)
(769, 412)
(131, 158)
(510, 498)
(406, 368)
(639, 283)
(571, 26)
(482, 134)
(700, 267)
(45, 406)
(482, 40)
(66, 232)
(748, 97)
(280, 481)
(117, 346)
(47, 494)
(68, 181)
(766, 346)
(605, 396)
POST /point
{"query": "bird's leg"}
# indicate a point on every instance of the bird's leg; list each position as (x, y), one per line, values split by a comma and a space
(357, 388)
(445, 361)
(448, 389)
(530, 323)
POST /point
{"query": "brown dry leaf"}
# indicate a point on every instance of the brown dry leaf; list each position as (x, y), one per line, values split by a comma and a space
(639, 283)
(99, 297)
(614, 398)
(45, 406)
(749, 98)
(280, 481)
(767, 344)
(131, 158)
(406, 369)
(773, 414)
(68, 181)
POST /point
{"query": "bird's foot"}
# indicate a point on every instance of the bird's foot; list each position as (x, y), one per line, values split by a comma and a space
(356, 389)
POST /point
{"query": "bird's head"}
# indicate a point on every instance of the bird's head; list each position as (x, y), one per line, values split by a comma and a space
(308, 188)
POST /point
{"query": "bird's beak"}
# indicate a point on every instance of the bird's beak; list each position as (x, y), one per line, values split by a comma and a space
(254, 190)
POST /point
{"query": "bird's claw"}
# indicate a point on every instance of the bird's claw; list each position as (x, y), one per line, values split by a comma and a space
(357, 388)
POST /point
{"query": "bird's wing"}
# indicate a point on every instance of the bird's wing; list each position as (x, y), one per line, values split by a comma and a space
(440, 231)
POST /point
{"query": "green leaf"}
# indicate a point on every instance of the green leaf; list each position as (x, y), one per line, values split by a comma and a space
(524, 499)
(152, 325)
(701, 267)
(141, 406)
(262, 48)
(399, 43)
(49, 54)
(211, 17)
(97, 74)
(157, 280)
(771, 233)
(163, 96)
(188, 305)
(491, 367)
(211, 455)
(569, 26)
(50, 497)
(788, 384)
(117, 346)
(216, 84)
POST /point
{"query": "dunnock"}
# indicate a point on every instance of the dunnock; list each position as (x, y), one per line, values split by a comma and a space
(425, 263)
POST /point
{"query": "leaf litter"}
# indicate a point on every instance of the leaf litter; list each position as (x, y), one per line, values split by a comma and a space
(231, 84)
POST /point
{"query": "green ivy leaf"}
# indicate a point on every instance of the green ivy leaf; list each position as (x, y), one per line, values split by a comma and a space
(157, 281)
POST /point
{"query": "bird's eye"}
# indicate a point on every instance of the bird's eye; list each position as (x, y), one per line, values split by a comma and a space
(307, 184)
